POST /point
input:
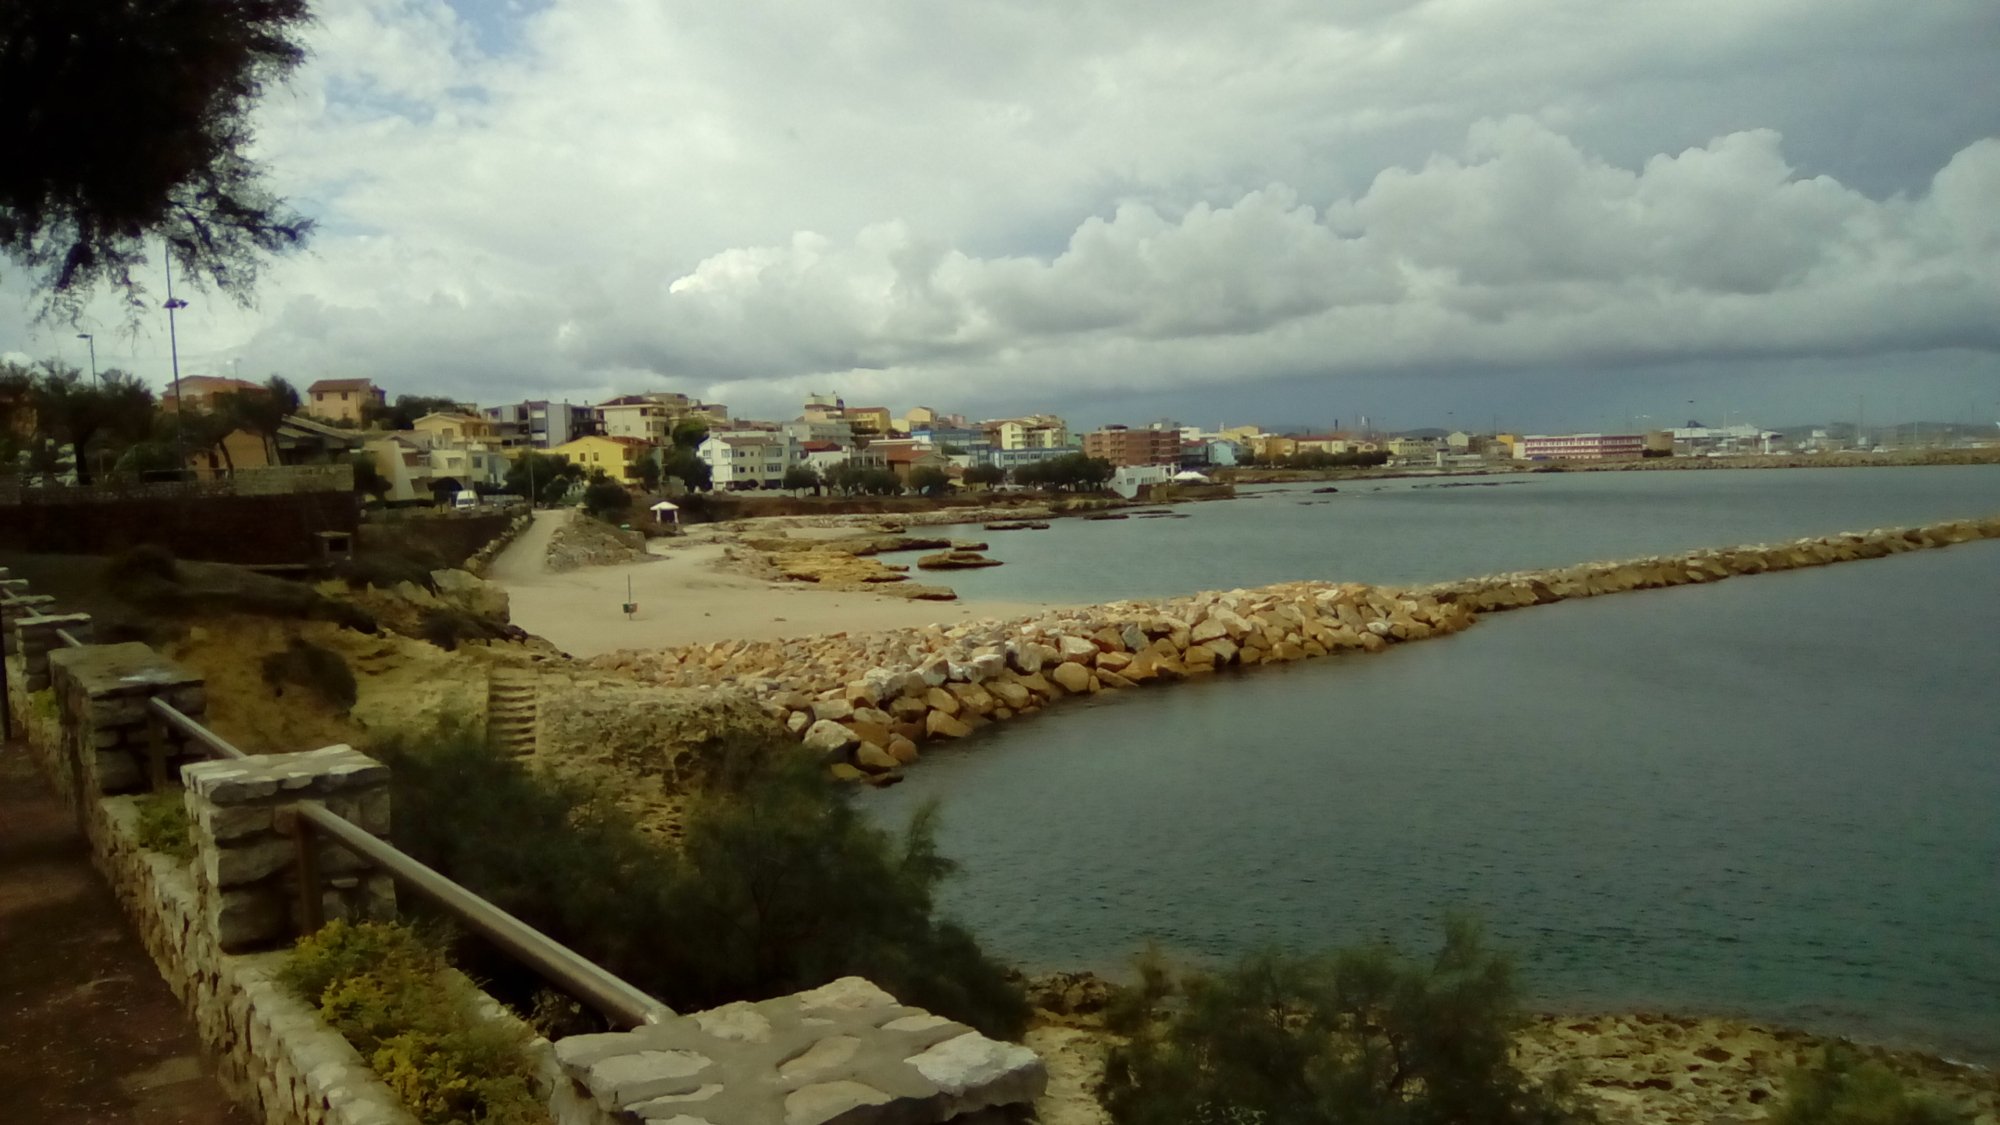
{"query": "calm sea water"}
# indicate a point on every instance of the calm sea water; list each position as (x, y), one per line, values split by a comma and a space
(1424, 531)
(1775, 796)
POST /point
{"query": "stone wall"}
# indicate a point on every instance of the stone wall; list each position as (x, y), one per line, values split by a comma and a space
(868, 702)
(90, 732)
(251, 530)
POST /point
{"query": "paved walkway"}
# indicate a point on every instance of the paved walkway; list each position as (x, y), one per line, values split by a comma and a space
(89, 1033)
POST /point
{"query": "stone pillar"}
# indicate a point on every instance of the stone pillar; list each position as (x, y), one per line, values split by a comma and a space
(35, 636)
(23, 604)
(246, 868)
(101, 693)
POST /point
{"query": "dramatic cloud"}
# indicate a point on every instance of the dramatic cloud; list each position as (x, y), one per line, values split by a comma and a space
(1013, 203)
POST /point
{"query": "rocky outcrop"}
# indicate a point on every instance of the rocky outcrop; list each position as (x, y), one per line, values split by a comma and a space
(935, 683)
(955, 560)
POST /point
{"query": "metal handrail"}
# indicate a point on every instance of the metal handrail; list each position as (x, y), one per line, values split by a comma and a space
(623, 1002)
(67, 638)
(173, 717)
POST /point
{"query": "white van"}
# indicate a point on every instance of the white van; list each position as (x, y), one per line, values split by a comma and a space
(465, 499)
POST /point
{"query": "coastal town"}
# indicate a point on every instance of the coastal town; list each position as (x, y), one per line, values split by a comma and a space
(424, 448)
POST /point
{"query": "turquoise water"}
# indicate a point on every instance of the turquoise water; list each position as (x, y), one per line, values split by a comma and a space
(1775, 796)
(1421, 531)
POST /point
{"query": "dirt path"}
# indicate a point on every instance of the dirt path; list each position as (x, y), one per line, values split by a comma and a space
(89, 1034)
(527, 557)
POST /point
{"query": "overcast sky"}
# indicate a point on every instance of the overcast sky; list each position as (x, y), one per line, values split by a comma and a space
(1549, 213)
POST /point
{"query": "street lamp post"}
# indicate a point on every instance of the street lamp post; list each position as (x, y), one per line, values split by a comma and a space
(174, 349)
(92, 340)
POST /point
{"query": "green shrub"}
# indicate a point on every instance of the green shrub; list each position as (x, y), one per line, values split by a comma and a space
(447, 627)
(1842, 1088)
(163, 824)
(1357, 1037)
(144, 561)
(385, 988)
(780, 885)
(321, 671)
(606, 499)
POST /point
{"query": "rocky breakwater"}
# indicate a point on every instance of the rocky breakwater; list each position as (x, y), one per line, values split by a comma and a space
(867, 703)
(1490, 593)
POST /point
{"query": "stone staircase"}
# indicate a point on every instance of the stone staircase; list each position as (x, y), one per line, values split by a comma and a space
(511, 709)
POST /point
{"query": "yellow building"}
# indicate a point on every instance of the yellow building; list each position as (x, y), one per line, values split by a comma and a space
(454, 429)
(870, 419)
(343, 400)
(618, 457)
(1273, 447)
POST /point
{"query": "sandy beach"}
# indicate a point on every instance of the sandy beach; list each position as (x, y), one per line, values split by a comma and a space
(683, 597)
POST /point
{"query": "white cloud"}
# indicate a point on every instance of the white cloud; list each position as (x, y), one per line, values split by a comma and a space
(751, 198)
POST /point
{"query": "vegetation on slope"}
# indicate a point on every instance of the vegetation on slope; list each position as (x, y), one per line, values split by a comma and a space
(1356, 1037)
(779, 883)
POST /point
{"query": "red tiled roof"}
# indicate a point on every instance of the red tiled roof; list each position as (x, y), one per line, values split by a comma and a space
(820, 447)
(325, 385)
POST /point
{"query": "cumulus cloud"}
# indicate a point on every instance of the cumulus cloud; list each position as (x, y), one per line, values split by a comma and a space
(750, 199)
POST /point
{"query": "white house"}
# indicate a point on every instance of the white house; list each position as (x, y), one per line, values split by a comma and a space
(739, 459)
(1129, 479)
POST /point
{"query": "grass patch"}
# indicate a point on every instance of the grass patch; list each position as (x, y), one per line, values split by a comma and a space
(780, 883)
(163, 824)
(385, 988)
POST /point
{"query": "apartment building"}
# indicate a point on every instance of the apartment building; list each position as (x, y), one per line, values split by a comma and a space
(1578, 447)
(1121, 445)
(539, 423)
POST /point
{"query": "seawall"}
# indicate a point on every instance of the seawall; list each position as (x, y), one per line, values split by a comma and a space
(868, 702)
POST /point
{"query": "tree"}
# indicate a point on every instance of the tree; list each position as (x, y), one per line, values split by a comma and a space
(798, 478)
(930, 480)
(262, 411)
(985, 476)
(606, 498)
(649, 473)
(1357, 1037)
(550, 476)
(407, 409)
(128, 122)
(688, 433)
(1073, 471)
(687, 466)
(96, 420)
(368, 480)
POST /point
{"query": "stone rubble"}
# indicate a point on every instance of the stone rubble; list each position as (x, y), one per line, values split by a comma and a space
(866, 702)
(584, 541)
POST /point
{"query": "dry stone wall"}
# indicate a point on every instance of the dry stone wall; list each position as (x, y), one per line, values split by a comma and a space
(867, 703)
